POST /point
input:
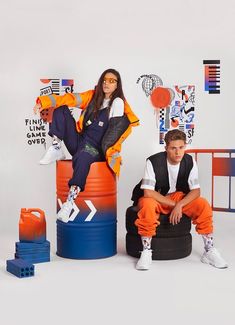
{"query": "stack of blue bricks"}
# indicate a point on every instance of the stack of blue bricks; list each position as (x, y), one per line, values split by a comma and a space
(20, 268)
(33, 252)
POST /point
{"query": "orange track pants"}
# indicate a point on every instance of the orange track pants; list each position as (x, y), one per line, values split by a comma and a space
(199, 210)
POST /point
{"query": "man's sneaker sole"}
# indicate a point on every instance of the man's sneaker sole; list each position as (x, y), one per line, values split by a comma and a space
(145, 261)
(205, 260)
(142, 268)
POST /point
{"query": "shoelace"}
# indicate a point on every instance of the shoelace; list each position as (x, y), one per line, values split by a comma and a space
(216, 253)
(213, 251)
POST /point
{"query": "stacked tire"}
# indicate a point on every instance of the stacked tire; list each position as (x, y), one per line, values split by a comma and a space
(171, 241)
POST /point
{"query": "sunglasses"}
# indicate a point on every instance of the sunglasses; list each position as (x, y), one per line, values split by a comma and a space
(109, 80)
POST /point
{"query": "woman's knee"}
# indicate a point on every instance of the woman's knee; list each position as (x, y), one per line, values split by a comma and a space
(60, 110)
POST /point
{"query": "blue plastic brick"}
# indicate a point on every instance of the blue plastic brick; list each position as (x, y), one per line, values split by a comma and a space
(32, 255)
(33, 252)
(34, 258)
(46, 252)
(33, 246)
(20, 268)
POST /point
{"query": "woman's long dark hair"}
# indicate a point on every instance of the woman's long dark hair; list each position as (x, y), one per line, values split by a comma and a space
(99, 94)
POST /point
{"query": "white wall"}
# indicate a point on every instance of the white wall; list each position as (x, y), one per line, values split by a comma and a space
(80, 39)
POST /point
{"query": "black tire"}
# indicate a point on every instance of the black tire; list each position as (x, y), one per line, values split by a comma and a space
(165, 229)
(163, 248)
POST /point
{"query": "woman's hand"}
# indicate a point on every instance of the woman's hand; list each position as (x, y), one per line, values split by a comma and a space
(37, 108)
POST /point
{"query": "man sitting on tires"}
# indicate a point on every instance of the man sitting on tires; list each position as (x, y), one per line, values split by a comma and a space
(170, 186)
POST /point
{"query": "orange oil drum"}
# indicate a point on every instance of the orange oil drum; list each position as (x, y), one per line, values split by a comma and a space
(92, 231)
(32, 225)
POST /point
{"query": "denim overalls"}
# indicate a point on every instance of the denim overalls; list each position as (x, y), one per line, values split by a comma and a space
(84, 148)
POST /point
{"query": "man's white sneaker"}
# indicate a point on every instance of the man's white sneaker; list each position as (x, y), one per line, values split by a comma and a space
(65, 211)
(145, 260)
(52, 155)
(214, 258)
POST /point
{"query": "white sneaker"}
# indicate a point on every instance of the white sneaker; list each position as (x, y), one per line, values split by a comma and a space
(145, 260)
(65, 211)
(214, 258)
(52, 155)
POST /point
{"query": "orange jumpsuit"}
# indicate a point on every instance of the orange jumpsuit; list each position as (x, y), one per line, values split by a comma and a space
(199, 210)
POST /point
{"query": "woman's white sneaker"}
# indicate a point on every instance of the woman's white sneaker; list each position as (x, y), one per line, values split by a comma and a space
(65, 212)
(145, 260)
(53, 154)
(214, 258)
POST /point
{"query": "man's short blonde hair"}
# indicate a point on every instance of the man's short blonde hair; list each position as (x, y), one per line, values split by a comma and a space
(174, 135)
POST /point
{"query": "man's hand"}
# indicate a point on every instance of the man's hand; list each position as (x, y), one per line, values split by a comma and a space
(176, 214)
(37, 108)
(164, 200)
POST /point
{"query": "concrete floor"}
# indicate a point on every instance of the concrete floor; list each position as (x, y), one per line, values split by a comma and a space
(111, 291)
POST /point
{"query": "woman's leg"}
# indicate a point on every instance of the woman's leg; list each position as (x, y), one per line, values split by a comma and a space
(82, 161)
(62, 128)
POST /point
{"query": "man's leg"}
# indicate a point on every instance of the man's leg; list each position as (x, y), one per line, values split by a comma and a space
(148, 220)
(201, 213)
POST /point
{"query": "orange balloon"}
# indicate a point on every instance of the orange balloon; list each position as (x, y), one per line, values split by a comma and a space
(160, 97)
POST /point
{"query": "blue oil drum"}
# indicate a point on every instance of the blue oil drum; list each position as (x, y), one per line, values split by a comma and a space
(92, 231)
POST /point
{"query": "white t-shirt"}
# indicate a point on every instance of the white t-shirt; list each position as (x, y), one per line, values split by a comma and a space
(117, 108)
(149, 180)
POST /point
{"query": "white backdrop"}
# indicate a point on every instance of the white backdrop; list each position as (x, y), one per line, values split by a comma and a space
(78, 40)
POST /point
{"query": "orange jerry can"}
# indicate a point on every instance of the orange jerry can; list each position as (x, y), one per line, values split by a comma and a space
(32, 225)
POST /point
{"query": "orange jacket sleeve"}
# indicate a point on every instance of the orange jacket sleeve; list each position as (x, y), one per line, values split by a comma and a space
(80, 100)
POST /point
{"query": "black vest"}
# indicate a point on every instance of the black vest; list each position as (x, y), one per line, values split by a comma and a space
(162, 186)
